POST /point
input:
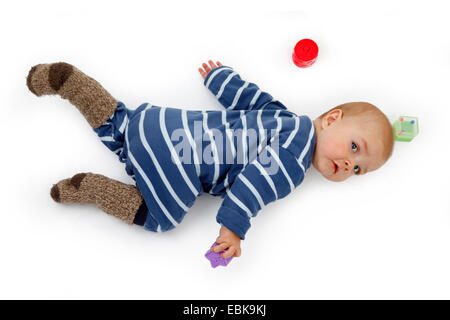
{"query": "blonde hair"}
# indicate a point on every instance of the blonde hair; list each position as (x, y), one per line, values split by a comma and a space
(367, 112)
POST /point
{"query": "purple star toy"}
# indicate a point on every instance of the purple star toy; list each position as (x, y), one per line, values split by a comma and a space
(215, 257)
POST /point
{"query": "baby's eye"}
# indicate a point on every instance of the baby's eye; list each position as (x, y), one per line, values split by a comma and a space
(356, 169)
(354, 147)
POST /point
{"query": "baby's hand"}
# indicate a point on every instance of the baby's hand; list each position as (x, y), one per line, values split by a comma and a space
(205, 72)
(228, 240)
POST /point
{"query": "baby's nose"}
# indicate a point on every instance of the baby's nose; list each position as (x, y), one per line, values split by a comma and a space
(347, 165)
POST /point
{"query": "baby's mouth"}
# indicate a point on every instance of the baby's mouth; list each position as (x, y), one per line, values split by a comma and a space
(336, 168)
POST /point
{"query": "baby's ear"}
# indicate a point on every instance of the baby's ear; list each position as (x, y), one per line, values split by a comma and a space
(331, 117)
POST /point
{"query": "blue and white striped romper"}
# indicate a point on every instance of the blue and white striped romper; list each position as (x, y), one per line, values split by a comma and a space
(226, 159)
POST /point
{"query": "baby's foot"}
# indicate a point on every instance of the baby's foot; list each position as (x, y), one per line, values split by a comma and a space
(113, 197)
(68, 191)
(48, 78)
(93, 101)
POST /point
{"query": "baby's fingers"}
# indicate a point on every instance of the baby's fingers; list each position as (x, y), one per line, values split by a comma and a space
(220, 247)
(206, 67)
(212, 64)
(229, 253)
(202, 72)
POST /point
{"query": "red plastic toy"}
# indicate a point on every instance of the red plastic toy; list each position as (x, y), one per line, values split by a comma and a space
(305, 53)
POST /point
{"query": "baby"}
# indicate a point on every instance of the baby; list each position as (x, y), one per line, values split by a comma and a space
(252, 153)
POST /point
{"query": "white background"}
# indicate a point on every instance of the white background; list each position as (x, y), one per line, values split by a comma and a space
(384, 236)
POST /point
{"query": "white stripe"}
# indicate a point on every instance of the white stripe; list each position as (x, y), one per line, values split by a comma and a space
(214, 148)
(225, 182)
(107, 139)
(255, 97)
(283, 169)
(233, 150)
(244, 137)
(293, 133)
(157, 165)
(118, 150)
(228, 133)
(191, 141)
(278, 128)
(267, 176)
(301, 165)
(244, 147)
(252, 189)
(149, 184)
(238, 95)
(159, 228)
(306, 148)
(265, 104)
(175, 157)
(262, 132)
(239, 203)
(222, 88)
(214, 74)
(124, 123)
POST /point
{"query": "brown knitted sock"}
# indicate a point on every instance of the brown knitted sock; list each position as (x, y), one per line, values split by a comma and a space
(93, 101)
(113, 197)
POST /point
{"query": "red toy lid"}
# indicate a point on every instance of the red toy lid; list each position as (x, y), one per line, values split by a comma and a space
(306, 50)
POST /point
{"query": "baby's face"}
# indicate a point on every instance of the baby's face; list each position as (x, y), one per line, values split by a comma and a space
(346, 147)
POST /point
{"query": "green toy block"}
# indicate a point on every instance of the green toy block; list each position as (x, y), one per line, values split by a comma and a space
(406, 128)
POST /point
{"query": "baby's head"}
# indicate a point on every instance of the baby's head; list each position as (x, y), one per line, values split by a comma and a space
(352, 139)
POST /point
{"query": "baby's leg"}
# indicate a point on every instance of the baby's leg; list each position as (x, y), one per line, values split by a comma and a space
(113, 197)
(94, 102)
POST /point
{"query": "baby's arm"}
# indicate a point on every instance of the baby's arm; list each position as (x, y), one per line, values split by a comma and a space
(233, 92)
(274, 174)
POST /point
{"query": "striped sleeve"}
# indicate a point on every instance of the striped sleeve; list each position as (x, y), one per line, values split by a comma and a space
(236, 94)
(271, 176)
